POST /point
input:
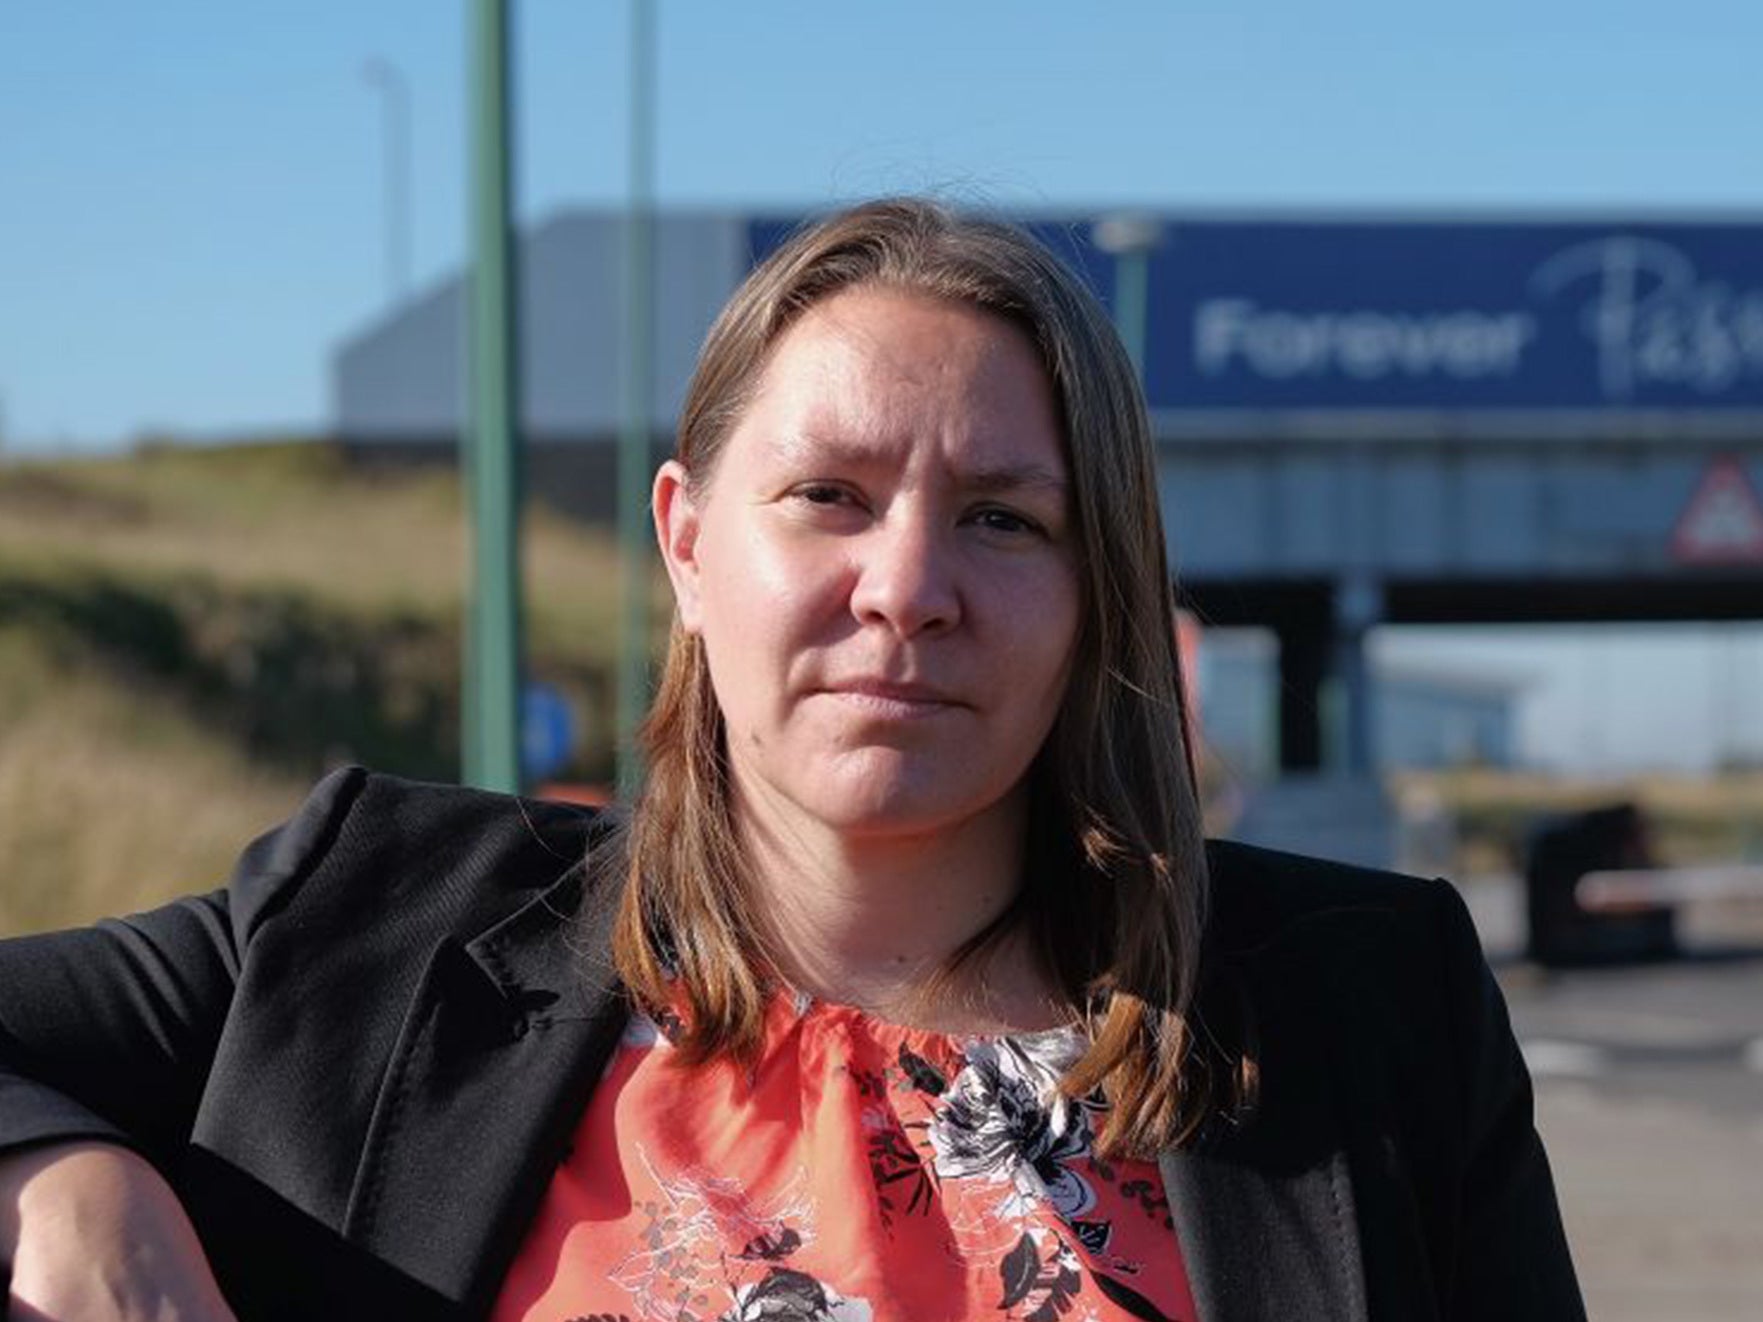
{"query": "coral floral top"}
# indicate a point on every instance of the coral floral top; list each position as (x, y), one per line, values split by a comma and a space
(862, 1172)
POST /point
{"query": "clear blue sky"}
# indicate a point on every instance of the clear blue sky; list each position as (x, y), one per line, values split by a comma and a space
(191, 190)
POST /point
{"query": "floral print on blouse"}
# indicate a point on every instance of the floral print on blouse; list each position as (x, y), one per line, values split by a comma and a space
(860, 1172)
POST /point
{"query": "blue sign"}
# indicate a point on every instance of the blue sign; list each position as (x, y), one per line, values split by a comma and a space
(1457, 316)
(1437, 315)
(547, 731)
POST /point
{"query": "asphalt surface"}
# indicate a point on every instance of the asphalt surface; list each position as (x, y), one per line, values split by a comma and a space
(1649, 1083)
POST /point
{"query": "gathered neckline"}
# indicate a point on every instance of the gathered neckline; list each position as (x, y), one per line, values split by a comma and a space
(808, 1009)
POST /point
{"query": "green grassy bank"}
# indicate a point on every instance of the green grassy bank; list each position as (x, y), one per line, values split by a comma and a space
(190, 636)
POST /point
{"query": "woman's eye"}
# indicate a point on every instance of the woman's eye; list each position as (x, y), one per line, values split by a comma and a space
(821, 493)
(1007, 521)
(824, 496)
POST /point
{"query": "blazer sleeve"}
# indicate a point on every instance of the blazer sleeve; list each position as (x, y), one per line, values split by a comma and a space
(108, 1032)
(1513, 1259)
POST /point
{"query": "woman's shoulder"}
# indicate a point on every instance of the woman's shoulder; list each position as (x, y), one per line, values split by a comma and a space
(1378, 955)
(399, 810)
(1263, 898)
(365, 843)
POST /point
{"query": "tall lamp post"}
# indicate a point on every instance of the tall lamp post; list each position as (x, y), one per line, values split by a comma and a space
(638, 399)
(491, 716)
(1130, 239)
(388, 80)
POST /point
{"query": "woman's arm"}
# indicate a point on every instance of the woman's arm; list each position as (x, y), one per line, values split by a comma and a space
(107, 1032)
(107, 1037)
(91, 1231)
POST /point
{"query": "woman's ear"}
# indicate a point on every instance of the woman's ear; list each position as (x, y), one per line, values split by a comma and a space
(676, 529)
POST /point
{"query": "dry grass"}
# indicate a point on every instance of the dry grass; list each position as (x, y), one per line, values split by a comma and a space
(1693, 819)
(115, 793)
(269, 517)
(296, 517)
(110, 803)
(1734, 792)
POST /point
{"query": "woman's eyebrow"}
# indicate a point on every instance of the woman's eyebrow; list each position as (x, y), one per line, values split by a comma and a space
(1013, 477)
(808, 447)
(988, 478)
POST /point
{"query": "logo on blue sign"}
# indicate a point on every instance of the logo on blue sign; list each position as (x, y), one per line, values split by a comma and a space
(1653, 319)
(1440, 316)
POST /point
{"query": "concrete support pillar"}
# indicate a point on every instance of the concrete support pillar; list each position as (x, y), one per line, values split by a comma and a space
(1358, 608)
(1303, 664)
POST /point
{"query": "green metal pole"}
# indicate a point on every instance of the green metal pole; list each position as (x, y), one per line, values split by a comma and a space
(491, 718)
(634, 536)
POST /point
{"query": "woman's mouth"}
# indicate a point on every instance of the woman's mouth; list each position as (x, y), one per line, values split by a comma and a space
(890, 698)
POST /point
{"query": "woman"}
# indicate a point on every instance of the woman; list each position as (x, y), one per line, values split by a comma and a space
(908, 989)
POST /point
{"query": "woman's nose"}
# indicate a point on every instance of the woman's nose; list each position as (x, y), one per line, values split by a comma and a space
(906, 578)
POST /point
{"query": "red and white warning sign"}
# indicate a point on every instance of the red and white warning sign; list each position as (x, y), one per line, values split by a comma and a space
(1723, 522)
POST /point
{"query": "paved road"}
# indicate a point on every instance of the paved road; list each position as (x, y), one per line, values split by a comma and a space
(1650, 1098)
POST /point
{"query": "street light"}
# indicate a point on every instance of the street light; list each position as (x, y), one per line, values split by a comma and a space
(1129, 239)
(394, 93)
(634, 537)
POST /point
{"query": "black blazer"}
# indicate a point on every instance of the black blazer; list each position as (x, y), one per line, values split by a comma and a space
(360, 1063)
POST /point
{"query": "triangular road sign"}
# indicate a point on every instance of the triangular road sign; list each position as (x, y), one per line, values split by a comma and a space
(1723, 522)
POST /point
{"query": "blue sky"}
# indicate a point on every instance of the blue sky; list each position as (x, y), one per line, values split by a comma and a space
(192, 197)
(192, 189)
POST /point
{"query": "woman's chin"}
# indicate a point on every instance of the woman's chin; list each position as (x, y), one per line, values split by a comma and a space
(899, 805)
(875, 790)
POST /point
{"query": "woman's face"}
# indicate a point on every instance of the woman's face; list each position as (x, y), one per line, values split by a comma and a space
(882, 568)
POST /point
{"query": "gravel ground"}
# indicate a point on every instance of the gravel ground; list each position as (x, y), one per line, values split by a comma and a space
(1663, 1201)
(1649, 1087)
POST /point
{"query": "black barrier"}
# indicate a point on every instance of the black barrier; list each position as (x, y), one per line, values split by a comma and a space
(1561, 930)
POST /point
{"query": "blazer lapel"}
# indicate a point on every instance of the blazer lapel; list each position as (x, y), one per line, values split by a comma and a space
(1261, 1245)
(1264, 1210)
(504, 1041)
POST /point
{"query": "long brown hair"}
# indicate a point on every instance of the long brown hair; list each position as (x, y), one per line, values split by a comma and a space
(1115, 893)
